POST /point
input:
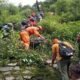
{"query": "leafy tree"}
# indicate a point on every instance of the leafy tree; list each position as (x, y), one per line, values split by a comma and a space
(75, 9)
(12, 9)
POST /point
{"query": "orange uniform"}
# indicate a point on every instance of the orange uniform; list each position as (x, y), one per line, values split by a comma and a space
(25, 35)
(33, 31)
(25, 38)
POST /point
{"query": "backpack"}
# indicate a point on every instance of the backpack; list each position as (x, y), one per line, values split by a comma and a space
(65, 51)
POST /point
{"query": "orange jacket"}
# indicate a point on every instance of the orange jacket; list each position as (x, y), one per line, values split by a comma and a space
(33, 31)
(24, 36)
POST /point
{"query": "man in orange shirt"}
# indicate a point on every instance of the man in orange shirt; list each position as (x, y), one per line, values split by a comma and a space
(26, 33)
(63, 64)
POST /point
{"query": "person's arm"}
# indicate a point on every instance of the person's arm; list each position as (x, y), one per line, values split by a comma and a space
(53, 54)
(36, 33)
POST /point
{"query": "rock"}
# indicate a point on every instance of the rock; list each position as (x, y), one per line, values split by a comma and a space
(12, 64)
(15, 72)
(30, 68)
(19, 78)
(17, 68)
(7, 73)
(37, 78)
(26, 72)
(6, 69)
(27, 77)
(1, 79)
(10, 78)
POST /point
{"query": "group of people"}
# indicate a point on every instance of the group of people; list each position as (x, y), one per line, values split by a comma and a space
(32, 19)
(63, 63)
(30, 28)
(26, 33)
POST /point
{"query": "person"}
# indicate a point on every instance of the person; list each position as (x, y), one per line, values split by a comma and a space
(75, 71)
(23, 24)
(32, 22)
(42, 13)
(26, 33)
(63, 64)
(33, 19)
(39, 17)
(78, 41)
(6, 30)
(24, 38)
(33, 15)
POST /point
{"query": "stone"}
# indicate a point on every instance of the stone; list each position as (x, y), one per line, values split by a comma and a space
(1, 79)
(19, 78)
(15, 72)
(6, 69)
(12, 64)
(17, 68)
(7, 73)
(26, 72)
(10, 78)
(27, 77)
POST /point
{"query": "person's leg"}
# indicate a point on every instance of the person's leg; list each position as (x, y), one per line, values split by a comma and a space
(68, 65)
(63, 70)
(26, 41)
(27, 44)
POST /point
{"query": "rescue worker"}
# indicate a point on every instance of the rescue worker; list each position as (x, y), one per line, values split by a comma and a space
(26, 33)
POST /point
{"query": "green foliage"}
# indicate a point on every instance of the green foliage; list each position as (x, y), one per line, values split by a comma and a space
(67, 9)
(63, 23)
(61, 6)
(11, 48)
(11, 13)
(55, 28)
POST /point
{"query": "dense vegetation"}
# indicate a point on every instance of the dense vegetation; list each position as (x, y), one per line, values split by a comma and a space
(62, 19)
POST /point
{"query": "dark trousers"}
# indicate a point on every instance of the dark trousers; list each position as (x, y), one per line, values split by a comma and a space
(63, 66)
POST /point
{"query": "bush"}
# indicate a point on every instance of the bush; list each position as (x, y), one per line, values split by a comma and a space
(55, 28)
